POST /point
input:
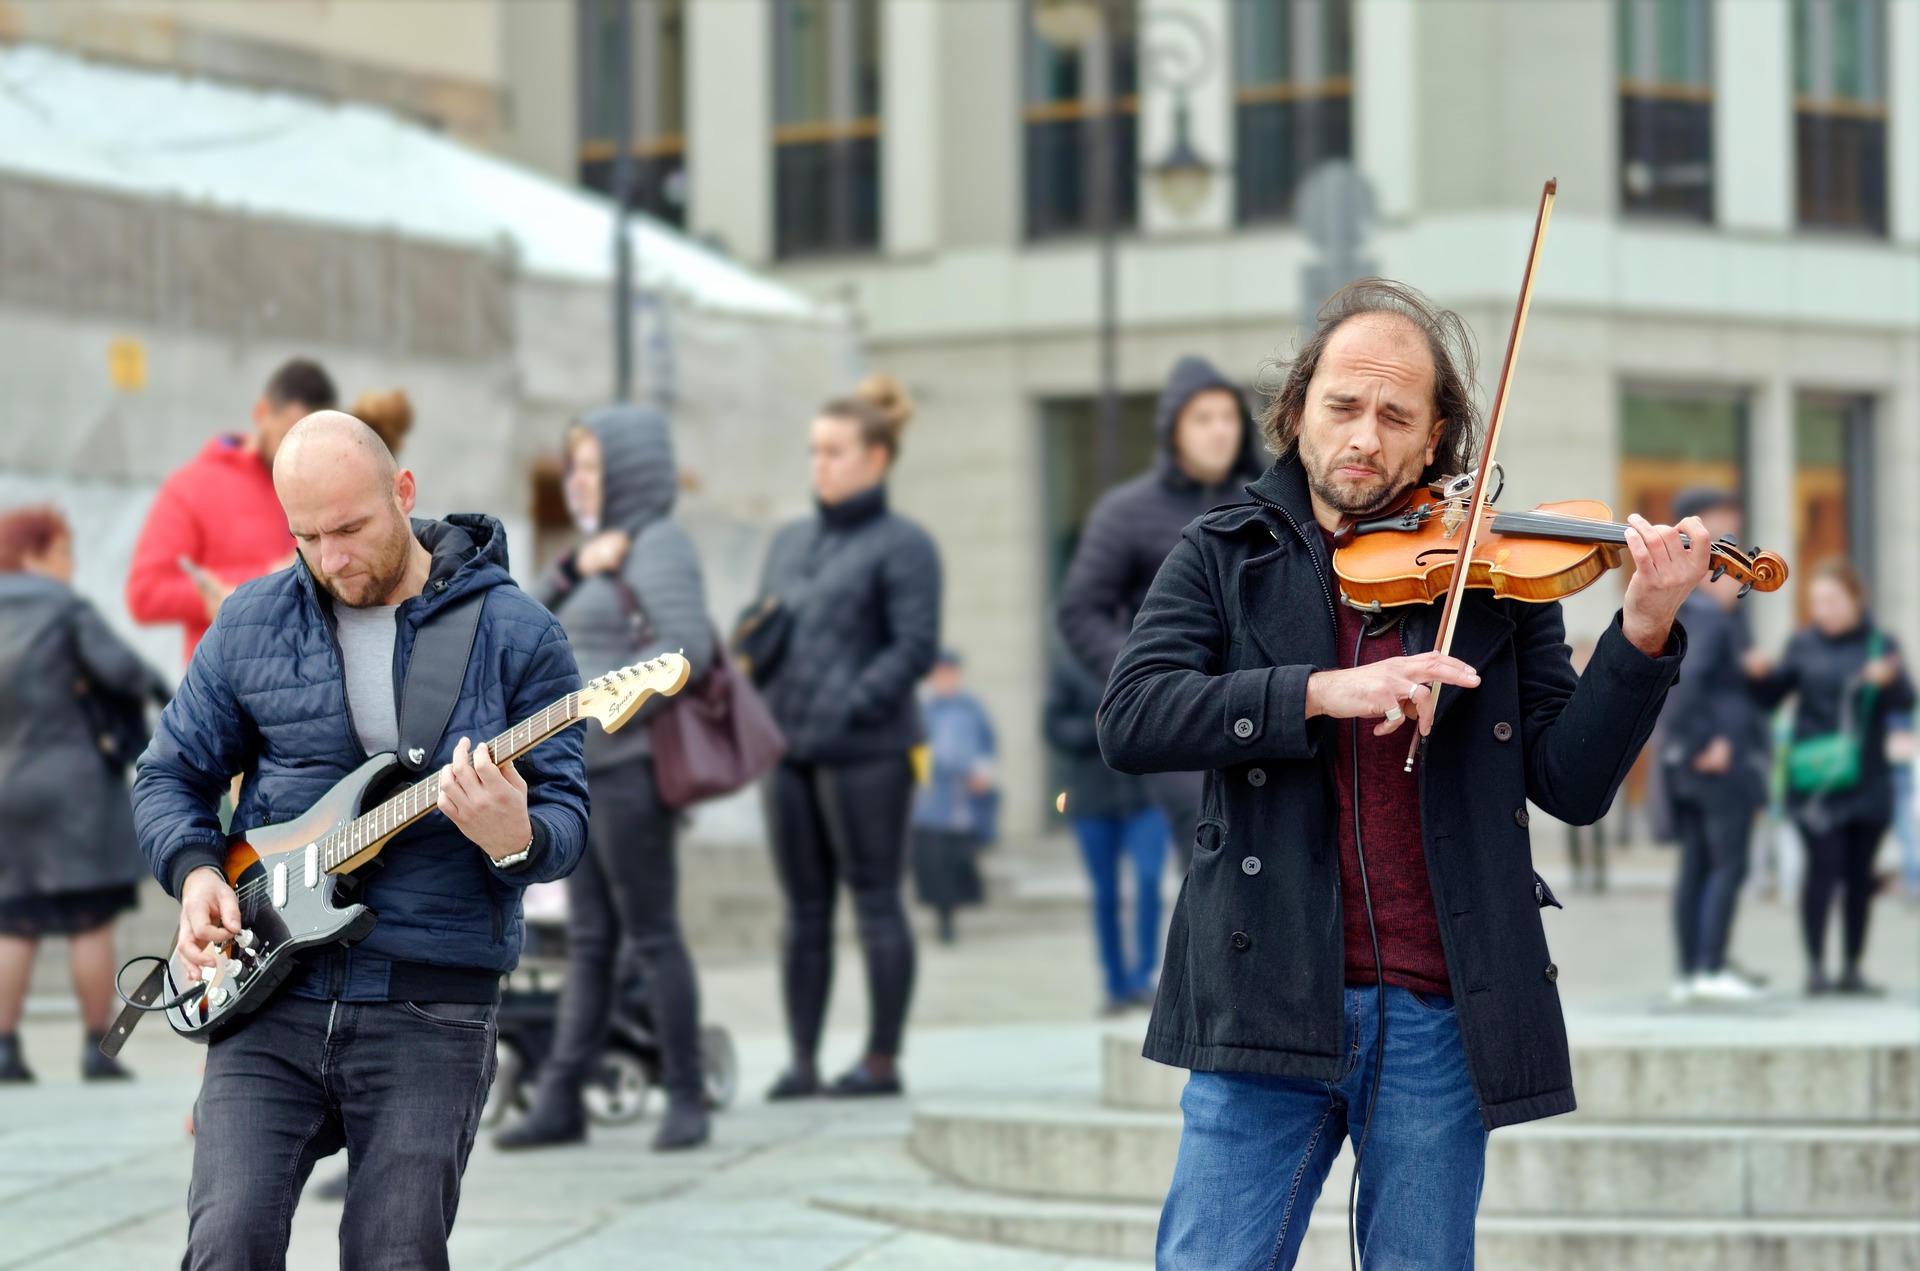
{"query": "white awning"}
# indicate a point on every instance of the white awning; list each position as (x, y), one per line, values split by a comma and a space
(68, 120)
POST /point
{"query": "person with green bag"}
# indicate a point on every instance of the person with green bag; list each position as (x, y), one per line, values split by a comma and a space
(1845, 676)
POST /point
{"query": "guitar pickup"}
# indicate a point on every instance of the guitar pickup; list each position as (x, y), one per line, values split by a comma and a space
(313, 865)
(280, 885)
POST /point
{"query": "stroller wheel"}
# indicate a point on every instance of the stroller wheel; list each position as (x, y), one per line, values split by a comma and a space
(617, 1095)
(719, 1070)
(509, 1071)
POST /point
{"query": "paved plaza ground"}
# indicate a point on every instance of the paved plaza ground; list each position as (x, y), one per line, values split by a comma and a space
(95, 1176)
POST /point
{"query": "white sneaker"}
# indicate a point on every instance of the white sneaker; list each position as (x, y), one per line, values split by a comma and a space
(1682, 991)
(1724, 986)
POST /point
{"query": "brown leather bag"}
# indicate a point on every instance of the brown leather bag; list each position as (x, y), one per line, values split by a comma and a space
(716, 737)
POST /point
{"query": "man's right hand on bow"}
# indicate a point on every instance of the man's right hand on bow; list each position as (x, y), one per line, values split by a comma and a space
(1371, 691)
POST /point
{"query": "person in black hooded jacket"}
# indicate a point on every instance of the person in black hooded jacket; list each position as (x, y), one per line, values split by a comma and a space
(860, 590)
(1208, 451)
(630, 591)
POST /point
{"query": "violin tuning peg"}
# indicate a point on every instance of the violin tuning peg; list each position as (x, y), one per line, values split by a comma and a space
(1744, 590)
(1719, 572)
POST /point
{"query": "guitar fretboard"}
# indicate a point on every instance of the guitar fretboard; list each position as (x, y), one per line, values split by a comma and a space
(417, 800)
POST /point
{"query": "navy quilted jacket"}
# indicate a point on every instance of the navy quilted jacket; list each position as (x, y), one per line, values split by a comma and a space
(264, 696)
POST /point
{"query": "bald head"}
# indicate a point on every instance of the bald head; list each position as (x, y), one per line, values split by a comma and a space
(347, 505)
(332, 446)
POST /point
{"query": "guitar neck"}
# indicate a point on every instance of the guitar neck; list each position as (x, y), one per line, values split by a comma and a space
(371, 828)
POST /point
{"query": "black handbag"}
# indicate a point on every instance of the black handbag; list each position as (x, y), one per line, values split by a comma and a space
(760, 638)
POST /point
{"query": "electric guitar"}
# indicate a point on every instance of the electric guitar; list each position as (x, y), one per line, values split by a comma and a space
(286, 875)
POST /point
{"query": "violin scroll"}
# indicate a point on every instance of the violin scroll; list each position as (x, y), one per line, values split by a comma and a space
(1756, 569)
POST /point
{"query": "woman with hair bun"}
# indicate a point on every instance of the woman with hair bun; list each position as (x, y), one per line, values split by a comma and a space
(390, 414)
(848, 622)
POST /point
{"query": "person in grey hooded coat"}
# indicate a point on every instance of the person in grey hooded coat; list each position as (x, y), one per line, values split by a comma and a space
(68, 861)
(1208, 451)
(631, 590)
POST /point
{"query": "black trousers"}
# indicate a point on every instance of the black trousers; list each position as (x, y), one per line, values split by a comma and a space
(1839, 856)
(830, 822)
(1713, 863)
(627, 886)
(399, 1085)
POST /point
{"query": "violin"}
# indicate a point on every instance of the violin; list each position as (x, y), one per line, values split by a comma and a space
(1409, 556)
(1552, 551)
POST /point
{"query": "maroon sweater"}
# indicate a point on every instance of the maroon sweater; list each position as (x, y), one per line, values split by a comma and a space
(1403, 914)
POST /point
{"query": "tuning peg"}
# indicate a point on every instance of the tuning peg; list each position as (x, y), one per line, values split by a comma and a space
(1719, 572)
(1744, 590)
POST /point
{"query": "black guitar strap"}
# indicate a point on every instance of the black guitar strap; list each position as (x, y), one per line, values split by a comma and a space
(435, 672)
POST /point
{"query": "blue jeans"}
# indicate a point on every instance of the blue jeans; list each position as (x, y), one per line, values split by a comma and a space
(399, 1085)
(1255, 1151)
(1105, 842)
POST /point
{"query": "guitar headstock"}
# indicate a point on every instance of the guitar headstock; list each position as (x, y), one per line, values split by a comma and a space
(614, 697)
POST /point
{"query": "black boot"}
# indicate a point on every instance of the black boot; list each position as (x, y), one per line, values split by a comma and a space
(685, 1125)
(13, 1064)
(95, 1066)
(861, 1082)
(557, 1117)
(794, 1083)
(1854, 984)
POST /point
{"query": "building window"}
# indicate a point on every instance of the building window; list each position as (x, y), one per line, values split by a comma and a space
(1666, 108)
(1840, 113)
(826, 135)
(1070, 91)
(657, 94)
(1832, 483)
(1293, 97)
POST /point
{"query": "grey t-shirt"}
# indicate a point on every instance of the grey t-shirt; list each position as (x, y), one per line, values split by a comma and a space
(366, 646)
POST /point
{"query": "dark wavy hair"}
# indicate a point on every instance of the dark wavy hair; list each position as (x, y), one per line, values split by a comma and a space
(26, 532)
(1285, 380)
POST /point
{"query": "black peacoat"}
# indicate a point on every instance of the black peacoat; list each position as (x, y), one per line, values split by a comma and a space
(1216, 670)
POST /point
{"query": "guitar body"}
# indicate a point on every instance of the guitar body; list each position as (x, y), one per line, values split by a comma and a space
(287, 905)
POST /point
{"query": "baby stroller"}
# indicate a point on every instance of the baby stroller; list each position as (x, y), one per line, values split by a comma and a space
(629, 1070)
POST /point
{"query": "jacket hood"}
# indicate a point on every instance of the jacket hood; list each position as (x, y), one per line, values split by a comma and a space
(1190, 377)
(638, 478)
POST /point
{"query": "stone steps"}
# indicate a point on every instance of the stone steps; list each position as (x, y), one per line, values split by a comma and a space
(1681, 1078)
(1503, 1243)
(1051, 1150)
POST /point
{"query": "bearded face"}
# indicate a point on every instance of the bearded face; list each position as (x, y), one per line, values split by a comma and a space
(368, 566)
(1367, 430)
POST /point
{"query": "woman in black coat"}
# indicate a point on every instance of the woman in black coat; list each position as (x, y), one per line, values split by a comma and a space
(68, 863)
(855, 590)
(1827, 667)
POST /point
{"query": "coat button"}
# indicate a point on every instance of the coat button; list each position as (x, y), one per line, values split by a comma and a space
(1242, 941)
(1520, 818)
(1250, 866)
(1256, 776)
(1553, 973)
(1243, 728)
(1503, 731)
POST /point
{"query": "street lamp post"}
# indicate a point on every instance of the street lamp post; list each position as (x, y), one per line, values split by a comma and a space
(623, 179)
(1182, 178)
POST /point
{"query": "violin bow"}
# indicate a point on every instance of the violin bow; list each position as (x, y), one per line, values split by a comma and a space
(1456, 589)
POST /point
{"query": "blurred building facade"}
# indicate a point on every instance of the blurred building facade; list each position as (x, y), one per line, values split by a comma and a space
(1730, 292)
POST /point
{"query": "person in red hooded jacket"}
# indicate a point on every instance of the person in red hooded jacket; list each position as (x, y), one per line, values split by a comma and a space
(216, 522)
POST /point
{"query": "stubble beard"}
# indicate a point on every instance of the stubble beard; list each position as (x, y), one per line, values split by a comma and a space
(1347, 498)
(381, 576)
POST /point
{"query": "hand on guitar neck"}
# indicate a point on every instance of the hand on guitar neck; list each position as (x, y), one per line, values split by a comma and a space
(487, 802)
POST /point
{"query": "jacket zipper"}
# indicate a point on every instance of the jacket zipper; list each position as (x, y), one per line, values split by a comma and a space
(1326, 588)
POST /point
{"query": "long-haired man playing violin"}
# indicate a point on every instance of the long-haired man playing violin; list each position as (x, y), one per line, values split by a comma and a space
(1358, 952)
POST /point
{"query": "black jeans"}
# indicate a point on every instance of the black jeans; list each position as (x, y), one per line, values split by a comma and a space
(1713, 864)
(399, 1085)
(627, 883)
(1839, 856)
(834, 821)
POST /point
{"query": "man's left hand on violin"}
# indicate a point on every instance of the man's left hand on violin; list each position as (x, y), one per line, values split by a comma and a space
(1665, 572)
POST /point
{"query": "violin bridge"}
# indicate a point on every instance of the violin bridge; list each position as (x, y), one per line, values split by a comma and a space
(1452, 519)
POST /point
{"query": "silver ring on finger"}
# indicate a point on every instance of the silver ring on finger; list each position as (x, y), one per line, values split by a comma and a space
(1395, 714)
